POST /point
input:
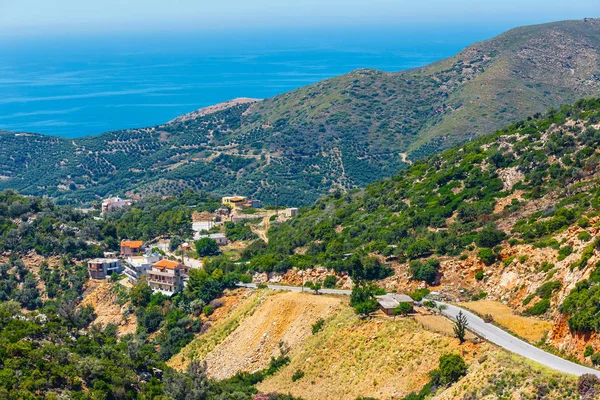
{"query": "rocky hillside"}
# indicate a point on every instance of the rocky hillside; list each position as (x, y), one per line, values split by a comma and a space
(340, 133)
(513, 216)
(346, 357)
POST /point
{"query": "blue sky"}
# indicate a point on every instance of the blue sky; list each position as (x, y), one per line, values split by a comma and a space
(43, 17)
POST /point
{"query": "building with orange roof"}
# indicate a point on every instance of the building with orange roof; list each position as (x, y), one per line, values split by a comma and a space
(168, 277)
(234, 201)
(136, 266)
(131, 247)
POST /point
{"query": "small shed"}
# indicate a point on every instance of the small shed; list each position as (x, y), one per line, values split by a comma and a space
(389, 302)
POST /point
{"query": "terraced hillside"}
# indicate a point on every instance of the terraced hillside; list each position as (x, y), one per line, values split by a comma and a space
(341, 133)
(514, 217)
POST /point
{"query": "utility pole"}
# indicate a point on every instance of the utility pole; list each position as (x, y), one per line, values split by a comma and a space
(182, 254)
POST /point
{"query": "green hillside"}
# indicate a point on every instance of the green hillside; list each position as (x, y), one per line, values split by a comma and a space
(341, 133)
(523, 201)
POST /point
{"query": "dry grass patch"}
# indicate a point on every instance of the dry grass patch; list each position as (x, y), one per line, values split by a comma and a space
(439, 324)
(380, 358)
(204, 343)
(99, 295)
(285, 317)
(529, 328)
(502, 375)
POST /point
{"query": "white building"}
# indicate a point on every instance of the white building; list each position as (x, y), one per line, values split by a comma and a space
(200, 226)
(168, 277)
(136, 266)
(114, 202)
(220, 238)
(290, 212)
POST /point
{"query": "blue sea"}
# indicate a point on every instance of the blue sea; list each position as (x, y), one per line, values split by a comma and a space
(77, 86)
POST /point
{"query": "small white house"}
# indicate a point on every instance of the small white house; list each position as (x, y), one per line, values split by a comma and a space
(220, 238)
(113, 203)
(200, 226)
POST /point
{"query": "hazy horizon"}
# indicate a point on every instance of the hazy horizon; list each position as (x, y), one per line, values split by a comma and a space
(75, 68)
(39, 18)
(87, 86)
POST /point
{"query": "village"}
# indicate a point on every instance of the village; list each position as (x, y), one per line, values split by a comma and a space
(167, 271)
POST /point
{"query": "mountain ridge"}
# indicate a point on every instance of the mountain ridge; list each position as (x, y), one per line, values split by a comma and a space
(337, 134)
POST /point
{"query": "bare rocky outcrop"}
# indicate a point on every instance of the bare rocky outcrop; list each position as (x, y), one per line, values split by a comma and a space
(297, 277)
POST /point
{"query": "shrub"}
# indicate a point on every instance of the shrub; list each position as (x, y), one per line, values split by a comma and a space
(583, 222)
(584, 236)
(596, 358)
(586, 254)
(418, 294)
(317, 326)
(479, 275)
(539, 308)
(451, 368)
(487, 256)
(488, 318)
(424, 271)
(528, 299)
(403, 309)
(564, 252)
(363, 299)
(523, 259)
(208, 310)
(546, 266)
(545, 291)
(588, 385)
(299, 374)
(479, 296)
(419, 248)
(330, 281)
(206, 247)
(589, 350)
(489, 237)
(508, 261)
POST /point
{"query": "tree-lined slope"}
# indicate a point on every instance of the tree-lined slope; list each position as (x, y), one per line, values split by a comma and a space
(514, 216)
(340, 133)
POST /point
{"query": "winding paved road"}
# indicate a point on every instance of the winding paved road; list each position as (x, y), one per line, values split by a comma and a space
(507, 341)
(487, 331)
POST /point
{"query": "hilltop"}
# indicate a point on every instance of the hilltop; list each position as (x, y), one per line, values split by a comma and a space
(341, 133)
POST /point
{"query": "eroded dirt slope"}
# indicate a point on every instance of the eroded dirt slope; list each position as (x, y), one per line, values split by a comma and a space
(99, 295)
(283, 317)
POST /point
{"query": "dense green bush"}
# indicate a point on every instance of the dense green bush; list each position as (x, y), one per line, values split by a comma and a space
(539, 308)
(424, 271)
(451, 368)
(330, 282)
(206, 247)
(487, 256)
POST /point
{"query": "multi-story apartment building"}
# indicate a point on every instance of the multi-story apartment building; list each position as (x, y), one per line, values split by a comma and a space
(168, 277)
(136, 266)
(100, 268)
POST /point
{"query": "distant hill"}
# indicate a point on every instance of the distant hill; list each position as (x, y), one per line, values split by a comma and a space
(341, 133)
